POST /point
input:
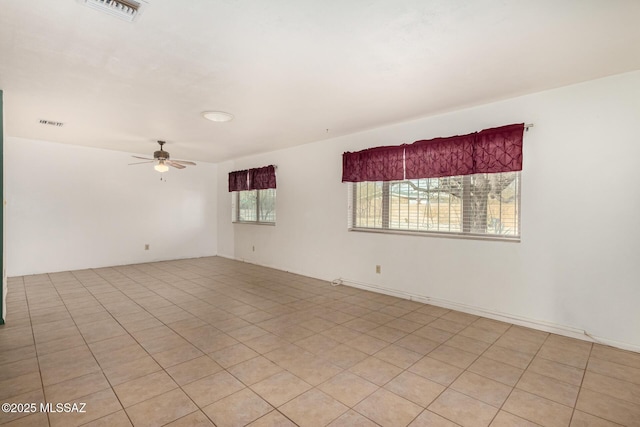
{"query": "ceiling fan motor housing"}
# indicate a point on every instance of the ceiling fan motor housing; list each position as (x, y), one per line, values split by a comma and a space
(161, 155)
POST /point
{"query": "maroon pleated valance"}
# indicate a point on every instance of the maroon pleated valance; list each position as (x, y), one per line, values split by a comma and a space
(253, 179)
(499, 149)
(239, 180)
(439, 157)
(488, 151)
(373, 164)
(262, 178)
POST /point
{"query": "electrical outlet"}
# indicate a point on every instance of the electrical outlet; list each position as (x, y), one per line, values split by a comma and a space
(378, 269)
(146, 247)
(253, 248)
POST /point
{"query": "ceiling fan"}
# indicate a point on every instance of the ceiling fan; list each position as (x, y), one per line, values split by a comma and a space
(163, 159)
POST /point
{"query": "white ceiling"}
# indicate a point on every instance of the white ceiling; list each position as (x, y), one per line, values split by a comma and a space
(289, 69)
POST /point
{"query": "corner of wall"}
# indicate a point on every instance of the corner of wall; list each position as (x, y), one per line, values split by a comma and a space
(225, 228)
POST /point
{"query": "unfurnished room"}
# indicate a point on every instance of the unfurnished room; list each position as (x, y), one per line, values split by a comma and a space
(320, 213)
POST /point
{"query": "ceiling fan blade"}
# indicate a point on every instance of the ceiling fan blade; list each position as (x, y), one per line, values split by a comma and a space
(175, 165)
(143, 158)
(184, 162)
(139, 163)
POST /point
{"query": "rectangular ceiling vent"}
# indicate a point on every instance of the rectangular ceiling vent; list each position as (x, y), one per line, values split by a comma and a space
(129, 10)
(51, 123)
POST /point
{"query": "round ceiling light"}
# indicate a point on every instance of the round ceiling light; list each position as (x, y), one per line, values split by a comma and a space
(217, 116)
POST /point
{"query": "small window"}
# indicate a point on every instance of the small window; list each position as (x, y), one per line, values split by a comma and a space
(255, 206)
(486, 205)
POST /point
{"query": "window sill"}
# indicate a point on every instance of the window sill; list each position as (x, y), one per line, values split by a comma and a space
(254, 223)
(466, 236)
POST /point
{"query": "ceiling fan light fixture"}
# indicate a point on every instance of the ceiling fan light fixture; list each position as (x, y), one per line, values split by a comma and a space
(217, 116)
(161, 167)
(163, 159)
(129, 10)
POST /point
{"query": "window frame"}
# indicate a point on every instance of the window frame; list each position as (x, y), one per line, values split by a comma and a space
(236, 208)
(385, 216)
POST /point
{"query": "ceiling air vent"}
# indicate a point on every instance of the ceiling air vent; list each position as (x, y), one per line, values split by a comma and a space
(51, 123)
(128, 10)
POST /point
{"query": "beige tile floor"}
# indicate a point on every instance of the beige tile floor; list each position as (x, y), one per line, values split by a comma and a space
(216, 342)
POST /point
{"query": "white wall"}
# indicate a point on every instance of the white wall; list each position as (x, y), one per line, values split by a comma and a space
(71, 207)
(578, 264)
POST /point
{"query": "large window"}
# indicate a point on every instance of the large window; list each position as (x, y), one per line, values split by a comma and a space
(255, 206)
(465, 185)
(253, 195)
(479, 204)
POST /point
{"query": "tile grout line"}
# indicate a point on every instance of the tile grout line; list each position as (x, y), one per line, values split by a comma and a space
(149, 354)
(85, 341)
(35, 347)
(520, 378)
(573, 411)
(448, 387)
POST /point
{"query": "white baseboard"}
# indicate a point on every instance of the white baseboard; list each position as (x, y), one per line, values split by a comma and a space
(275, 267)
(541, 325)
(567, 331)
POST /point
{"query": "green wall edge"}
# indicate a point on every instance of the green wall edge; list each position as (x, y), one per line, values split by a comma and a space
(2, 279)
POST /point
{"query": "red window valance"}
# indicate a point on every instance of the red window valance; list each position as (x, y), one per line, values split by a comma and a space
(488, 151)
(439, 157)
(239, 180)
(499, 149)
(262, 178)
(253, 179)
(373, 164)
